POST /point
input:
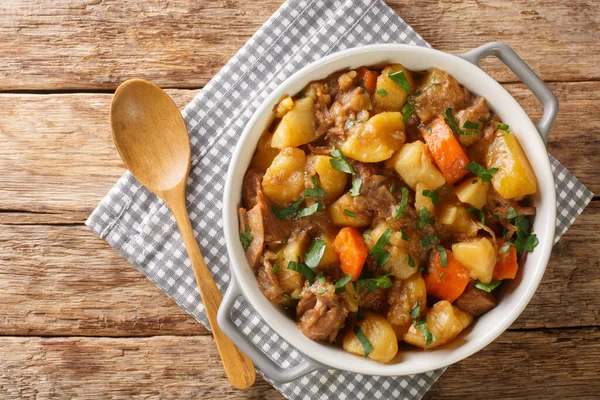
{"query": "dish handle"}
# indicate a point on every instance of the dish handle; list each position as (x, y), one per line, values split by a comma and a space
(262, 361)
(526, 75)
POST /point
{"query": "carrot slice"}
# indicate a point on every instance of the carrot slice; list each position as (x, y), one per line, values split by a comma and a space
(446, 151)
(368, 78)
(446, 283)
(506, 264)
(352, 250)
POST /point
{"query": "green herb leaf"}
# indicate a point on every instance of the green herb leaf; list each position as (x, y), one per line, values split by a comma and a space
(356, 184)
(400, 79)
(484, 120)
(404, 235)
(525, 241)
(403, 203)
(485, 174)
(316, 190)
(382, 92)
(340, 163)
(305, 212)
(427, 334)
(427, 240)
(315, 253)
(288, 297)
(359, 314)
(477, 213)
(474, 181)
(367, 346)
(349, 213)
(366, 235)
(285, 240)
(303, 270)
(416, 311)
(432, 194)
(392, 187)
(504, 128)
(471, 125)
(340, 285)
(276, 267)
(320, 291)
(321, 277)
(442, 275)
(350, 123)
(443, 255)
(246, 238)
(301, 95)
(411, 262)
(512, 213)
(372, 284)
(424, 218)
(487, 287)
(379, 253)
(505, 248)
(283, 213)
(407, 111)
(451, 122)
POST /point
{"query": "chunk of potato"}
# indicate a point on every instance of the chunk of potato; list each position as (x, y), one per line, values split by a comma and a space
(389, 96)
(457, 220)
(291, 281)
(351, 297)
(422, 201)
(329, 256)
(264, 154)
(380, 334)
(473, 191)
(297, 127)
(403, 297)
(478, 256)
(414, 164)
(398, 264)
(465, 318)
(515, 177)
(438, 91)
(442, 321)
(339, 218)
(284, 180)
(332, 180)
(377, 139)
(285, 105)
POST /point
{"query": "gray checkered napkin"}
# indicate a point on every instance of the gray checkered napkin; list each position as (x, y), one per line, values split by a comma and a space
(142, 229)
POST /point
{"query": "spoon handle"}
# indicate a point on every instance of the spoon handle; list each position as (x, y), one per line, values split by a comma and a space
(238, 367)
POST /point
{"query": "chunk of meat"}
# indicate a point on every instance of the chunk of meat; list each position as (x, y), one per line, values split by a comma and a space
(251, 186)
(475, 301)
(364, 170)
(477, 113)
(321, 312)
(375, 196)
(276, 229)
(268, 282)
(437, 92)
(376, 302)
(253, 218)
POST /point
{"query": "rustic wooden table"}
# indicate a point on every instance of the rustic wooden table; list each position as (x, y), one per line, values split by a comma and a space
(76, 320)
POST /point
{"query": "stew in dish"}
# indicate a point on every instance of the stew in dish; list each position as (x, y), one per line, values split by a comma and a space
(386, 205)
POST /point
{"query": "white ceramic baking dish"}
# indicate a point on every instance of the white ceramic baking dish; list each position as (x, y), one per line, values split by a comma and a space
(514, 295)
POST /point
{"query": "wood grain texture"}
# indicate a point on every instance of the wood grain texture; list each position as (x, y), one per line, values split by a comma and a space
(64, 161)
(182, 43)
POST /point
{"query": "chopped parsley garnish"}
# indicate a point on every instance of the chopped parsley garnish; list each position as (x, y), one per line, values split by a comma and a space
(301, 95)
(471, 125)
(432, 194)
(366, 345)
(504, 128)
(303, 270)
(382, 92)
(356, 184)
(477, 213)
(404, 235)
(351, 122)
(321, 291)
(315, 253)
(392, 187)
(276, 267)
(474, 181)
(246, 238)
(288, 297)
(316, 190)
(403, 203)
(349, 213)
(424, 218)
(407, 111)
(505, 248)
(442, 275)
(379, 253)
(487, 287)
(525, 241)
(451, 122)
(428, 129)
(283, 213)
(321, 277)
(285, 240)
(340, 163)
(411, 262)
(400, 79)
(340, 285)
(484, 120)
(512, 213)
(443, 255)
(383, 282)
(366, 235)
(427, 240)
(485, 174)
(416, 311)
(310, 210)
(421, 324)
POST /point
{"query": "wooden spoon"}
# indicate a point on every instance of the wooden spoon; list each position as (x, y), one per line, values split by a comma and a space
(153, 141)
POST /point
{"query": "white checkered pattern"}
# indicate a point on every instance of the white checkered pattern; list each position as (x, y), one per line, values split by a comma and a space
(142, 229)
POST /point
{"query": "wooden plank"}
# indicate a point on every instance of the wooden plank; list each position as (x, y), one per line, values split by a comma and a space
(183, 43)
(188, 367)
(118, 368)
(63, 162)
(63, 280)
